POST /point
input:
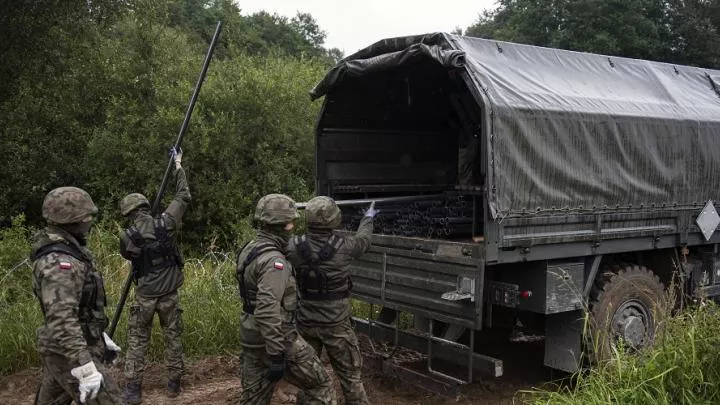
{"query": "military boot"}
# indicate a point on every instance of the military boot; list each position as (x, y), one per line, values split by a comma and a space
(173, 388)
(133, 393)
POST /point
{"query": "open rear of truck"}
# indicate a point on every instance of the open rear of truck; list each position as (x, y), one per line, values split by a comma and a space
(413, 131)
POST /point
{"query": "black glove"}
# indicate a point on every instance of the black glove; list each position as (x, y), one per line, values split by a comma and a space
(276, 369)
(111, 350)
(110, 356)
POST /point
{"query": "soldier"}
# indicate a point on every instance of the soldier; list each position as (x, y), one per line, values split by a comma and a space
(322, 259)
(151, 245)
(71, 342)
(272, 348)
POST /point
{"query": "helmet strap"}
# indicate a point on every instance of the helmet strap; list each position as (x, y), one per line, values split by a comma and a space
(79, 231)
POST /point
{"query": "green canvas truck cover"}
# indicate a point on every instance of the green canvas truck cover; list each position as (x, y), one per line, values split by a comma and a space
(573, 131)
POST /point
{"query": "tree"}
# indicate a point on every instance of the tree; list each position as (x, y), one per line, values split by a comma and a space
(93, 97)
(51, 95)
(677, 31)
(696, 32)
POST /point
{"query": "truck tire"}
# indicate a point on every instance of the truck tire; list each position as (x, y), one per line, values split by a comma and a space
(627, 303)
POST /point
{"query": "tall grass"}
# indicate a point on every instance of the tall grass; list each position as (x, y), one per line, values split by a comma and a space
(683, 368)
(209, 299)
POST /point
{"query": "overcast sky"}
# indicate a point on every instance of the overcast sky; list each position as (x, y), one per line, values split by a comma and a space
(355, 24)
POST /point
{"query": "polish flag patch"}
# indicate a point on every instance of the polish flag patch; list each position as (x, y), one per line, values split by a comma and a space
(278, 265)
(65, 265)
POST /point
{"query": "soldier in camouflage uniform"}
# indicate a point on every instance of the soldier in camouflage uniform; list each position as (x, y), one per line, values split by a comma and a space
(70, 290)
(272, 348)
(322, 260)
(151, 245)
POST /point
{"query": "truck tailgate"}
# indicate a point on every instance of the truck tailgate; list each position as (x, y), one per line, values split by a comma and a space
(412, 274)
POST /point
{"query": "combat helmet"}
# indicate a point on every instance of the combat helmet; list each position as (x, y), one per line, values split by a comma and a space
(322, 212)
(132, 202)
(276, 209)
(68, 205)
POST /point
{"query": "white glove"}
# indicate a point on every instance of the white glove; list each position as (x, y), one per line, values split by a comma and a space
(110, 345)
(177, 157)
(371, 211)
(90, 380)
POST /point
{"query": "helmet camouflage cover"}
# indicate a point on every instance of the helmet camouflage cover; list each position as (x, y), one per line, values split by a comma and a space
(323, 212)
(68, 205)
(132, 202)
(276, 209)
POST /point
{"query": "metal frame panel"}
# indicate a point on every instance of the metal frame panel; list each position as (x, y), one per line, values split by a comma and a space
(411, 274)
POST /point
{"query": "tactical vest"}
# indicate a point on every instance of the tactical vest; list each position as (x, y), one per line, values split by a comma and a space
(257, 250)
(313, 283)
(157, 254)
(91, 312)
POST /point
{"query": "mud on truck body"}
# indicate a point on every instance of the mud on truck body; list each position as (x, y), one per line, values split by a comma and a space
(541, 185)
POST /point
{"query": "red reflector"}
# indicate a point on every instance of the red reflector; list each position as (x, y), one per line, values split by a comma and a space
(526, 294)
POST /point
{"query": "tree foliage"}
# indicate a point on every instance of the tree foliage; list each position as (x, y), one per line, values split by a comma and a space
(94, 93)
(677, 31)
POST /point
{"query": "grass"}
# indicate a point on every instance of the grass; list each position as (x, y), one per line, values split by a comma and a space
(209, 299)
(683, 368)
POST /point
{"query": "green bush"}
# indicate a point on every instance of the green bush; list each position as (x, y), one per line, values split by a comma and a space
(102, 106)
(682, 369)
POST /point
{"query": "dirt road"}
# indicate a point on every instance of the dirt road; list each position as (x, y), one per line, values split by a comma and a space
(215, 380)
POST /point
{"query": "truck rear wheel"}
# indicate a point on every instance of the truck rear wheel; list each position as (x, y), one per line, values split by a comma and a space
(627, 303)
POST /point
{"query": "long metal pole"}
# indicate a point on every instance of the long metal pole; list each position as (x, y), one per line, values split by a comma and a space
(364, 201)
(163, 185)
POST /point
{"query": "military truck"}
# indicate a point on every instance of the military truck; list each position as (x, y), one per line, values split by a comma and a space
(560, 191)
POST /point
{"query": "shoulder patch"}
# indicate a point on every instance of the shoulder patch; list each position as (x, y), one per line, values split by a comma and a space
(278, 265)
(65, 265)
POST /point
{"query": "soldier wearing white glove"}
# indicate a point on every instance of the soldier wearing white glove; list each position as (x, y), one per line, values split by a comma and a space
(90, 380)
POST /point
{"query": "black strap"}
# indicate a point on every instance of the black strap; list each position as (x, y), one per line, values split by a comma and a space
(330, 247)
(303, 247)
(59, 248)
(167, 252)
(161, 234)
(256, 251)
(156, 255)
(319, 296)
(312, 278)
(93, 292)
(327, 251)
(135, 237)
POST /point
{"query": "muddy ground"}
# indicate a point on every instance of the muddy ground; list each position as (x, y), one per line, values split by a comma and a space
(215, 380)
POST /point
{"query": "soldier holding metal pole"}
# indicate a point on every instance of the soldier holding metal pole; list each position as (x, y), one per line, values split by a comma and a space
(151, 244)
(322, 260)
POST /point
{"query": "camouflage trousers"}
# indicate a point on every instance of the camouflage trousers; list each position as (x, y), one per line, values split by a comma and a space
(302, 369)
(59, 387)
(140, 327)
(343, 350)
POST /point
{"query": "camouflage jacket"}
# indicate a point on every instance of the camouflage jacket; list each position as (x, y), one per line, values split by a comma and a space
(160, 282)
(269, 282)
(72, 298)
(336, 271)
